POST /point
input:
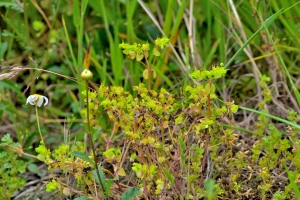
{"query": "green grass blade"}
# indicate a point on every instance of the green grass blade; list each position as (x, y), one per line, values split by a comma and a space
(82, 156)
(168, 18)
(179, 17)
(238, 129)
(271, 116)
(266, 24)
(293, 183)
(294, 88)
(116, 55)
(76, 13)
(80, 35)
(182, 148)
(69, 44)
(134, 71)
(130, 194)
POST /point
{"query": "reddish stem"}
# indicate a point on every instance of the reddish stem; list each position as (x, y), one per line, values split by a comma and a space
(206, 139)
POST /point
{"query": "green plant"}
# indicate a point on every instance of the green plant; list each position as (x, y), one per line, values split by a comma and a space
(151, 129)
(10, 168)
(156, 124)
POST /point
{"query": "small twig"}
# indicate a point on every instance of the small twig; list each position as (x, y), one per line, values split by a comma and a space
(20, 152)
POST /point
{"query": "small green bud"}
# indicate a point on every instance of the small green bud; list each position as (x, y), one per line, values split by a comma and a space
(86, 75)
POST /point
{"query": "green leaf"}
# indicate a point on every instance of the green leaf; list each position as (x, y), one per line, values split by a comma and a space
(3, 49)
(6, 139)
(271, 116)
(109, 182)
(6, 84)
(121, 172)
(154, 73)
(209, 186)
(145, 74)
(82, 156)
(271, 19)
(182, 147)
(7, 33)
(139, 57)
(196, 75)
(156, 52)
(84, 5)
(169, 175)
(52, 186)
(21, 166)
(207, 88)
(38, 25)
(82, 198)
(76, 14)
(12, 5)
(212, 89)
(96, 134)
(102, 177)
(33, 168)
(292, 181)
(130, 194)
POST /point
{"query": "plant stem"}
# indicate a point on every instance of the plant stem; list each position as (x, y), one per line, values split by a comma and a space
(111, 136)
(231, 166)
(90, 136)
(206, 138)
(20, 152)
(149, 74)
(37, 119)
(204, 157)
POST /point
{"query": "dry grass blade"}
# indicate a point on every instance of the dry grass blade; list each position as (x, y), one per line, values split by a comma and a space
(8, 72)
(247, 49)
(150, 14)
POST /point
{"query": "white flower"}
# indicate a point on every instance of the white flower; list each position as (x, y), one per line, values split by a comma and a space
(37, 99)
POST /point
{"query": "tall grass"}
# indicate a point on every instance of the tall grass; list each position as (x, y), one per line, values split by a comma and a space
(201, 32)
